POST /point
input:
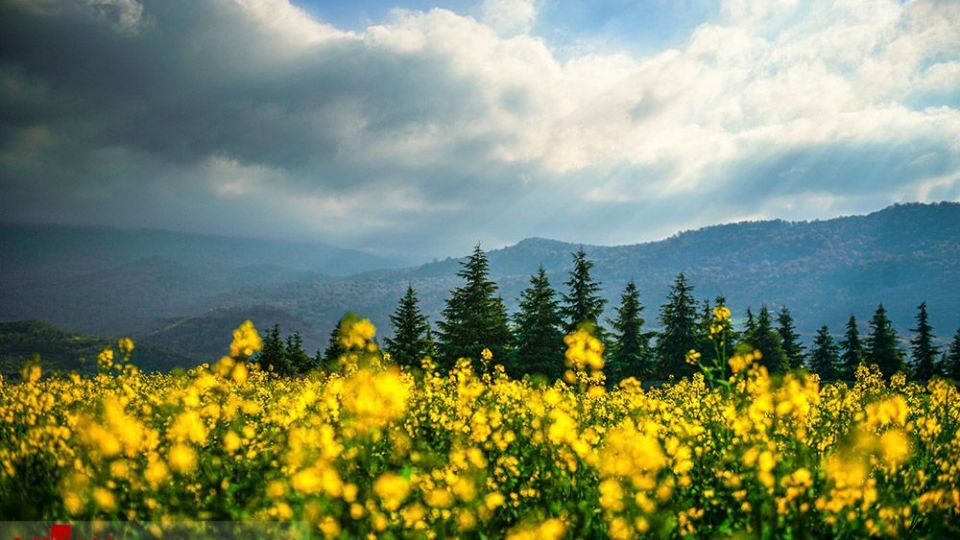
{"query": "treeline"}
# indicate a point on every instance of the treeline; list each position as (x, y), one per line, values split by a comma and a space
(531, 342)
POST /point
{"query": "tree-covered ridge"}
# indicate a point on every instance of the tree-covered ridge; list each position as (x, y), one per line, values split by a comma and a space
(824, 271)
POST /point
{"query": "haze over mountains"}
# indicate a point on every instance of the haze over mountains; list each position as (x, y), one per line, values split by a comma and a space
(184, 293)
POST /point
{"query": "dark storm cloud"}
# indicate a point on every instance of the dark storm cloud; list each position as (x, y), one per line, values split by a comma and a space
(432, 131)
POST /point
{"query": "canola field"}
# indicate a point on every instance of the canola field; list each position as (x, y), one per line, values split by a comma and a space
(370, 450)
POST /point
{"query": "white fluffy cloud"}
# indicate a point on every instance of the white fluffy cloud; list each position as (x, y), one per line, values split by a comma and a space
(430, 130)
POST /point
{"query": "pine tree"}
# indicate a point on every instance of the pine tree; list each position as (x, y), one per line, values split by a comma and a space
(749, 328)
(825, 357)
(883, 349)
(631, 349)
(411, 341)
(952, 367)
(297, 360)
(924, 352)
(331, 355)
(767, 341)
(853, 353)
(539, 337)
(678, 317)
(792, 347)
(474, 318)
(583, 304)
(273, 355)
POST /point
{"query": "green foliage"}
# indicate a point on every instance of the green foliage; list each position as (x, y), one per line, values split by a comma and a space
(825, 355)
(298, 360)
(853, 352)
(474, 318)
(411, 340)
(63, 351)
(678, 319)
(749, 327)
(584, 303)
(924, 352)
(630, 351)
(882, 345)
(285, 357)
(792, 347)
(272, 357)
(952, 367)
(768, 342)
(334, 350)
(538, 333)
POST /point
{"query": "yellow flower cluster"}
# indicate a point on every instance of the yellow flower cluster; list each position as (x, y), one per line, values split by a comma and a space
(246, 341)
(584, 357)
(374, 450)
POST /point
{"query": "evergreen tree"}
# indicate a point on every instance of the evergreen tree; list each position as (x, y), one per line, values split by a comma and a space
(631, 349)
(792, 347)
(273, 354)
(539, 337)
(924, 352)
(411, 341)
(334, 350)
(853, 353)
(678, 317)
(952, 367)
(883, 349)
(583, 304)
(297, 360)
(825, 355)
(767, 341)
(474, 318)
(749, 328)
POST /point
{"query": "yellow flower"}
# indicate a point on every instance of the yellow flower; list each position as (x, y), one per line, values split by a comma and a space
(31, 372)
(239, 373)
(125, 345)
(104, 499)
(392, 490)
(355, 332)
(246, 340)
(231, 442)
(894, 446)
(156, 472)
(493, 500)
(182, 458)
(583, 350)
(105, 358)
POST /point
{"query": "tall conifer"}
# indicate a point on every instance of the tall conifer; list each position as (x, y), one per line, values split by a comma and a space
(583, 304)
(411, 332)
(767, 340)
(853, 353)
(678, 319)
(883, 348)
(474, 318)
(630, 348)
(824, 356)
(539, 334)
(792, 347)
(923, 351)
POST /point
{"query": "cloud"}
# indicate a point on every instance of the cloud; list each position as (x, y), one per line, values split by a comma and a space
(430, 130)
(509, 16)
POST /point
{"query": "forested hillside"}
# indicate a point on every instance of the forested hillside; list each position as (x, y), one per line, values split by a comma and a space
(173, 293)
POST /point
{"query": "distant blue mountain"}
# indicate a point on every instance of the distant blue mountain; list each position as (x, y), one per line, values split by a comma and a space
(186, 292)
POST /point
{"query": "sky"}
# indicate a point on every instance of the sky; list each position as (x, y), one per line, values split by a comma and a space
(417, 129)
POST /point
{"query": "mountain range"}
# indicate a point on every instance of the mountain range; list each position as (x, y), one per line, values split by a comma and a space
(184, 293)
